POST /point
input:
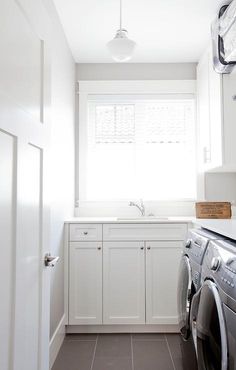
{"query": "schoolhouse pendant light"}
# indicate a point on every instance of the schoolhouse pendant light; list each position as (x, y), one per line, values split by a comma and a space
(121, 47)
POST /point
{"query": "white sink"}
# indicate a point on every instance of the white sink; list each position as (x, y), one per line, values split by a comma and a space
(148, 218)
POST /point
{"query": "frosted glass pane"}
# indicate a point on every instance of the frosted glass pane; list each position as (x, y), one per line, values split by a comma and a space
(115, 124)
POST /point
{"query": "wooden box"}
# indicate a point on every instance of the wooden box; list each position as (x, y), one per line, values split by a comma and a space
(213, 210)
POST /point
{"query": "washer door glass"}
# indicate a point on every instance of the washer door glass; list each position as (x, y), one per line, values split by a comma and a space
(184, 296)
(211, 330)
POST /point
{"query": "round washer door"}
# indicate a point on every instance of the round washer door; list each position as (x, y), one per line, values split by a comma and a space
(184, 296)
(212, 348)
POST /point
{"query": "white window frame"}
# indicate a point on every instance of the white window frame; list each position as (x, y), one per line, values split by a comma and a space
(137, 87)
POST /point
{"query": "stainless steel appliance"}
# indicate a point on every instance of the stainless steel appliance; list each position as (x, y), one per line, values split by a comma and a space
(189, 283)
(215, 308)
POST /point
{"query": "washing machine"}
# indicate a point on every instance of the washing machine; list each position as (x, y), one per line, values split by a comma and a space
(189, 283)
(215, 319)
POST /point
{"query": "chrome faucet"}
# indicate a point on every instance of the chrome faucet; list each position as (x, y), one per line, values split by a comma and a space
(140, 206)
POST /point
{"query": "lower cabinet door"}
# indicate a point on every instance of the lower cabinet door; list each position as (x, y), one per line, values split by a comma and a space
(85, 282)
(162, 264)
(123, 283)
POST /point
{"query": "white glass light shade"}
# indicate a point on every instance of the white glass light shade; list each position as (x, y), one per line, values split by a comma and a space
(121, 47)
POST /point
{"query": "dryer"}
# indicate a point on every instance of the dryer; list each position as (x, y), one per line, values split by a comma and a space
(189, 278)
(215, 318)
(189, 283)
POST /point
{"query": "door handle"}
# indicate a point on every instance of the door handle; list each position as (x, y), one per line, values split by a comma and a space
(206, 155)
(50, 261)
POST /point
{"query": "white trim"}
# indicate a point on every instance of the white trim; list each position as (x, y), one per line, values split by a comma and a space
(66, 273)
(131, 98)
(56, 341)
(162, 328)
(138, 87)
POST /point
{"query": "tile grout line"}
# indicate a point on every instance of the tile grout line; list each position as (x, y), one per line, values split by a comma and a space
(132, 352)
(167, 343)
(80, 340)
(94, 352)
(149, 340)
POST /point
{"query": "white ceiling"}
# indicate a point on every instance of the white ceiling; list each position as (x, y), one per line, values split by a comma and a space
(165, 30)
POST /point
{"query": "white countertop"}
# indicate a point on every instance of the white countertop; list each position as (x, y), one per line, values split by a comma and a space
(123, 220)
(223, 227)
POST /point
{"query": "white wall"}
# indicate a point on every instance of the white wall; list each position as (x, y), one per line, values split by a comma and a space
(136, 71)
(220, 187)
(62, 206)
(122, 209)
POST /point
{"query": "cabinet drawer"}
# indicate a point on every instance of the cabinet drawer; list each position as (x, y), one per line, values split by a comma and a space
(85, 232)
(144, 231)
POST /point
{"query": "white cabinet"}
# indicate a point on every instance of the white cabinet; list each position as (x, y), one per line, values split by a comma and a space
(126, 278)
(85, 232)
(85, 283)
(117, 280)
(162, 263)
(216, 111)
(123, 283)
(229, 128)
(152, 231)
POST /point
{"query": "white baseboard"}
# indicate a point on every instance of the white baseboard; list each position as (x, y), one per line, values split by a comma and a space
(56, 341)
(167, 328)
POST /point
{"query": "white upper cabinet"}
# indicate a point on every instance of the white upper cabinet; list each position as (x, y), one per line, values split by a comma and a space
(216, 112)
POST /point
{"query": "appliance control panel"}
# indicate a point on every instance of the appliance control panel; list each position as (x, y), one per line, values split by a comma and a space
(220, 264)
(195, 246)
(231, 264)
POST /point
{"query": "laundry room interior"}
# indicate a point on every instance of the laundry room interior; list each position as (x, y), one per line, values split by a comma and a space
(118, 185)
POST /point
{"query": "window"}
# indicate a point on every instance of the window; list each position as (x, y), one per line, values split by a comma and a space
(139, 147)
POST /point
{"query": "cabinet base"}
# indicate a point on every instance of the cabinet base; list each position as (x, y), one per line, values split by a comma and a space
(83, 329)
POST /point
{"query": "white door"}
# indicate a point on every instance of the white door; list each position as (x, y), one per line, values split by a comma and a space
(24, 211)
(85, 272)
(162, 264)
(123, 283)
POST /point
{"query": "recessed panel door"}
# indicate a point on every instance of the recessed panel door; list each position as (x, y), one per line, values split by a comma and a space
(85, 274)
(123, 283)
(24, 185)
(162, 264)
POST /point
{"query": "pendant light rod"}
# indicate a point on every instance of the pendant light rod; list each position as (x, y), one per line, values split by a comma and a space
(120, 15)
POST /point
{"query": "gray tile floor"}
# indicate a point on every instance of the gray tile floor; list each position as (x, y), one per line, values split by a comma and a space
(119, 352)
